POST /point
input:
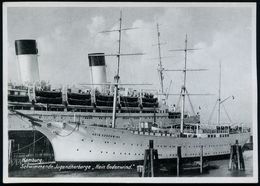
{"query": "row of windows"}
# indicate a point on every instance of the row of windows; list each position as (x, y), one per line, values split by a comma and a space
(214, 135)
(171, 146)
(218, 145)
(224, 135)
(140, 154)
(105, 135)
(101, 118)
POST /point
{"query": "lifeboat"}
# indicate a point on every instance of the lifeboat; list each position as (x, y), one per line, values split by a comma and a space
(49, 100)
(79, 101)
(147, 104)
(129, 104)
(128, 99)
(48, 94)
(18, 98)
(78, 96)
(104, 103)
(149, 100)
(104, 98)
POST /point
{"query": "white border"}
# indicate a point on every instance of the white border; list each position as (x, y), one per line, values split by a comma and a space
(7, 179)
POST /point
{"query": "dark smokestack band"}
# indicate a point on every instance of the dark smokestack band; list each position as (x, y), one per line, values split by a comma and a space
(25, 46)
(96, 59)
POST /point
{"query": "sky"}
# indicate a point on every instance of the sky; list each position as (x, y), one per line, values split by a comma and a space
(65, 36)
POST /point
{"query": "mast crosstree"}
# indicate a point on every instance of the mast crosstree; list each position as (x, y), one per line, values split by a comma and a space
(183, 88)
(118, 55)
(220, 102)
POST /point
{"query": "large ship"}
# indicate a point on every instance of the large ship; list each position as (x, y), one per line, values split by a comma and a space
(86, 136)
(89, 103)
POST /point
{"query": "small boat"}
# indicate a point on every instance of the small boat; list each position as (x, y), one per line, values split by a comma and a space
(79, 96)
(56, 100)
(18, 98)
(49, 94)
(79, 101)
(194, 166)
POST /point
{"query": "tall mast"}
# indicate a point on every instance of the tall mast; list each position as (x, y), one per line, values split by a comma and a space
(118, 55)
(117, 75)
(160, 69)
(183, 89)
(119, 47)
(219, 94)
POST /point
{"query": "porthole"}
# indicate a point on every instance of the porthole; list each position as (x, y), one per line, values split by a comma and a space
(90, 151)
(77, 149)
(91, 140)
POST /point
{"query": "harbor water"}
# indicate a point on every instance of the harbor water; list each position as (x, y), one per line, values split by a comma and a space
(219, 169)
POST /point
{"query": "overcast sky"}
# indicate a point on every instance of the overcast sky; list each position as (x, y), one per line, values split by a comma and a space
(65, 36)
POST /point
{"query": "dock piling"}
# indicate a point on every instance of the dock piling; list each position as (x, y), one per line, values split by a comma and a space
(150, 159)
(201, 159)
(236, 160)
(10, 146)
(178, 160)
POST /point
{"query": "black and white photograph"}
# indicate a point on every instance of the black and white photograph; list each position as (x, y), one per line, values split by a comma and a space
(123, 92)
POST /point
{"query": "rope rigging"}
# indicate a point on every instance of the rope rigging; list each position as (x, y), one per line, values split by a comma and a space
(77, 125)
(212, 112)
(192, 108)
(227, 113)
(26, 146)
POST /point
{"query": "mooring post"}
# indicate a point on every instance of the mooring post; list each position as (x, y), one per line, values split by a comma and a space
(242, 158)
(231, 157)
(145, 162)
(178, 160)
(10, 145)
(148, 167)
(151, 157)
(238, 157)
(201, 159)
(34, 143)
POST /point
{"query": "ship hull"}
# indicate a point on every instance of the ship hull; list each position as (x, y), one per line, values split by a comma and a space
(72, 143)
